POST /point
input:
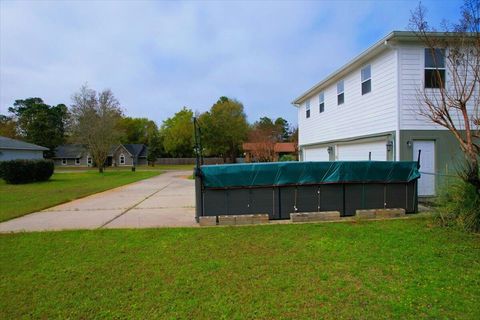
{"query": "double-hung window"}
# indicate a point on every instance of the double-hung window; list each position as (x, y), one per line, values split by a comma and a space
(64, 162)
(307, 108)
(89, 161)
(340, 92)
(77, 161)
(321, 102)
(434, 68)
(366, 75)
(122, 159)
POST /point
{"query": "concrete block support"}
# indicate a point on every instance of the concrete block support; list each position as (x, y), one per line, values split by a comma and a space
(226, 220)
(389, 213)
(365, 214)
(315, 216)
(207, 221)
(260, 218)
(229, 220)
(380, 213)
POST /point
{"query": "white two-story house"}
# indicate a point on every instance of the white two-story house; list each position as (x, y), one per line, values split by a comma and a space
(369, 109)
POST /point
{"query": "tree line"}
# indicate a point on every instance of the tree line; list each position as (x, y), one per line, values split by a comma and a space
(97, 120)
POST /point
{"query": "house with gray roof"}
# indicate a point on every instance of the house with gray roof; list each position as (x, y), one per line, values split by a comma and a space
(119, 155)
(12, 149)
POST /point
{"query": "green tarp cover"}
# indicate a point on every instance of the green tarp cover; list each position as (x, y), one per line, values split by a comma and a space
(305, 173)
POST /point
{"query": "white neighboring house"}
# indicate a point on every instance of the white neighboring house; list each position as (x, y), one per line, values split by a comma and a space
(369, 109)
(12, 149)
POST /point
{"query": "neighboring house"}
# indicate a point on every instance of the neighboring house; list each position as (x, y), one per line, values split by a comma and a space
(368, 109)
(120, 155)
(12, 149)
(267, 150)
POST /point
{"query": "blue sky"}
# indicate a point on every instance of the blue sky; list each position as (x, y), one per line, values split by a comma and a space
(159, 56)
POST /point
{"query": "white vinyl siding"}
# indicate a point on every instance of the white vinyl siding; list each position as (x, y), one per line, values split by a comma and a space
(316, 154)
(360, 115)
(411, 74)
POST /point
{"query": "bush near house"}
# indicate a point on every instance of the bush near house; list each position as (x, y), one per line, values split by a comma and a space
(25, 171)
(459, 205)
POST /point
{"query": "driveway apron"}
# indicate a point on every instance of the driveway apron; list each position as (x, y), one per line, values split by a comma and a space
(166, 200)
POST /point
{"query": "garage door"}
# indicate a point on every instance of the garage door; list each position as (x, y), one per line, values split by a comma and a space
(360, 151)
(315, 154)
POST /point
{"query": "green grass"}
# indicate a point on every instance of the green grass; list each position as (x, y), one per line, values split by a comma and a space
(158, 167)
(18, 200)
(403, 269)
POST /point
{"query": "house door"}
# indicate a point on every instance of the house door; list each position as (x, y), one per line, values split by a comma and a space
(426, 183)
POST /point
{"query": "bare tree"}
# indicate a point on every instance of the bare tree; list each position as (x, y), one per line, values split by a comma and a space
(95, 122)
(454, 104)
(260, 146)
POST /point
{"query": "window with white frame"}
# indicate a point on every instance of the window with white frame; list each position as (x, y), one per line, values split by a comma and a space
(64, 162)
(89, 161)
(434, 68)
(307, 108)
(321, 102)
(366, 77)
(340, 92)
(122, 159)
(77, 161)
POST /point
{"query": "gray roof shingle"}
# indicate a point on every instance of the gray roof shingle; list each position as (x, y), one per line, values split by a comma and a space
(70, 151)
(13, 144)
(136, 150)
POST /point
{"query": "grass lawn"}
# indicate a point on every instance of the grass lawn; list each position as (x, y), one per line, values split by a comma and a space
(17, 200)
(403, 269)
(158, 167)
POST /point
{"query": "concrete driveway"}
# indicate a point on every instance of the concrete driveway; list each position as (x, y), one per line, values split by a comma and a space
(167, 200)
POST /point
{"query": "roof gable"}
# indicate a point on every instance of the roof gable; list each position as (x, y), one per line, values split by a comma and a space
(136, 150)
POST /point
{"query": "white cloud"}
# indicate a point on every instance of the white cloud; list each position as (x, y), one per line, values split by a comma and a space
(160, 56)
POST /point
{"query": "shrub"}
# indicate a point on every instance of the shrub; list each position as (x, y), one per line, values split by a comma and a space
(25, 171)
(459, 204)
(1, 169)
(287, 157)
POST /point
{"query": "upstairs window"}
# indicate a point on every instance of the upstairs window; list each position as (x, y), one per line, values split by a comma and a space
(321, 102)
(307, 108)
(366, 74)
(340, 93)
(434, 68)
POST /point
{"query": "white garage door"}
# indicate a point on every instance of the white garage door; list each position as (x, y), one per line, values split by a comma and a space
(360, 151)
(315, 154)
